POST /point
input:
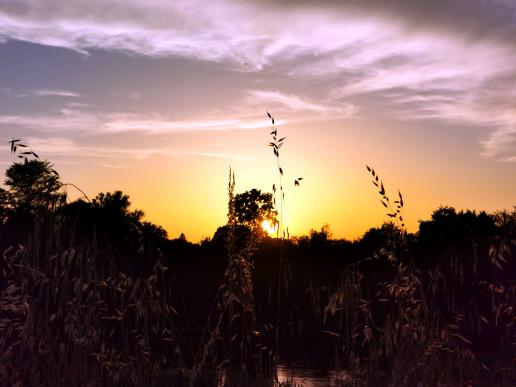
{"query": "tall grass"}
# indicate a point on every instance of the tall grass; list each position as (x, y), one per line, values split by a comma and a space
(70, 316)
(234, 342)
(413, 330)
(284, 270)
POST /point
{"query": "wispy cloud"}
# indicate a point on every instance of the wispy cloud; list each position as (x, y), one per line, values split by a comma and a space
(223, 30)
(293, 103)
(64, 120)
(136, 95)
(90, 122)
(66, 147)
(215, 31)
(78, 105)
(157, 124)
(49, 93)
(114, 166)
(511, 159)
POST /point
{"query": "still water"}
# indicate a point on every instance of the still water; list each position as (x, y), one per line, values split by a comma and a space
(299, 375)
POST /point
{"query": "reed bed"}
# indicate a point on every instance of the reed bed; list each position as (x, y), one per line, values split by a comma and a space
(70, 316)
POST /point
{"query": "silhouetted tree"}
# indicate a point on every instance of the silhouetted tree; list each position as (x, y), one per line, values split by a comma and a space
(180, 247)
(253, 207)
(112, 209)
(134, 242)
(154, 231)
(378, 239)
(242, 234)
(34, 186)
(116, 205)
(315, 238)
(448, 226)
(322, 236)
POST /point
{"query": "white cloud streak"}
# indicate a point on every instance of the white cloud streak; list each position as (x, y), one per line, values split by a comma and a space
(86, 123)
(65, 147)
(49, 93)
(296, 104)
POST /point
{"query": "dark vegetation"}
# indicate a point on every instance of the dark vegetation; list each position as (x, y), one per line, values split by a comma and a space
(91, 294)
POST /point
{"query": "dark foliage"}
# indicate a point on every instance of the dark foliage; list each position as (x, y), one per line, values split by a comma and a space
(33, 186)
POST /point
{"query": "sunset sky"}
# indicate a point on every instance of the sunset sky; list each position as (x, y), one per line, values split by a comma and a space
(158, 98)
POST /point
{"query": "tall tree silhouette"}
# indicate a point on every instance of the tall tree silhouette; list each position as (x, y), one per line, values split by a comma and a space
(253, 207)
(34, 186)
(119, 220)
(448, 226)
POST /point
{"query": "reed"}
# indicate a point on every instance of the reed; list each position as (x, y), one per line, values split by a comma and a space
(233, 342)
(284, 270)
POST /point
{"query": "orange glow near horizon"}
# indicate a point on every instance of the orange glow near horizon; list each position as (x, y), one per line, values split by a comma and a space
(269, 228)
(188, 194)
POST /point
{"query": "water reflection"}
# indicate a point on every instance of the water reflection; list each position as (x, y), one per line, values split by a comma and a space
(300, 375)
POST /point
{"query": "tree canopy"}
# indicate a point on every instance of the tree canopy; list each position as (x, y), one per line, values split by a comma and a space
(34, 185)
(448, 225)
(253, 207)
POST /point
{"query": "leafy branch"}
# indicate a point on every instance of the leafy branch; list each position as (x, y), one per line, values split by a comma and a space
(26, 153)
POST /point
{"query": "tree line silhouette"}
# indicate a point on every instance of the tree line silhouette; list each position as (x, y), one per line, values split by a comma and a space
(35, 189)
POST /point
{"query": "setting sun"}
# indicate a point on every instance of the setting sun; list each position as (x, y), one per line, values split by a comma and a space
(269, 227)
